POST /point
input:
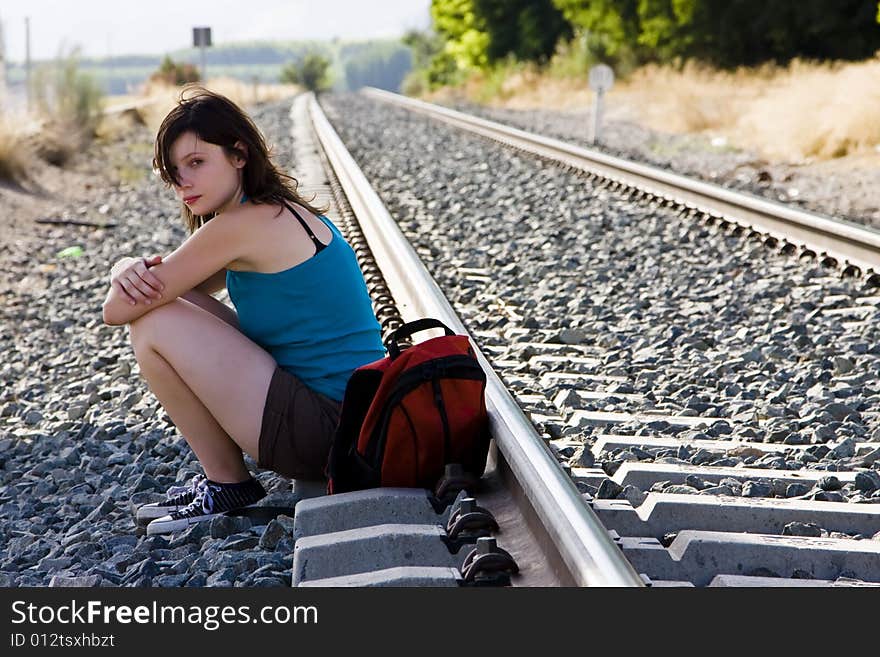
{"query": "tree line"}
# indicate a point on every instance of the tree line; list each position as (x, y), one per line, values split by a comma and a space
(478, 34)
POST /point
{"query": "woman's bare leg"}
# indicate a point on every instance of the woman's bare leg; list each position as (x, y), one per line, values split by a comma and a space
(211, 380)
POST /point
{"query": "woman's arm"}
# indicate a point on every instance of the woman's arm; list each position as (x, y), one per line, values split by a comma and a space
(213, 306)
(198, 259)
(213, 283)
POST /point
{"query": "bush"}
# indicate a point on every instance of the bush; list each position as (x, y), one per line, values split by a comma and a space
(310, 72)
(70, 103)
(175, 74)
(65, 95)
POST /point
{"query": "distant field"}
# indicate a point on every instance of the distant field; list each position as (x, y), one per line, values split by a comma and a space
(382, 63)
(118, 80)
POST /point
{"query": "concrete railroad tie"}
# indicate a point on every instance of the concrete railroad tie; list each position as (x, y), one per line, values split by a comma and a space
(663, 513)
(698, 556)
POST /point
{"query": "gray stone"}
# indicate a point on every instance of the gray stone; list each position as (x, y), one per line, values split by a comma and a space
(608, 490)
(871, 457)
(633, 495)
(233, 543)
(75, 581)
(829, 483)
(269, 582)
(680, 489)
(274, 532)
(171, 581)
(583, 458)
(198, 580)
(756, 489)
(868, 482)
(802, 529)
(223, 526)
(222, 578)
(845, 449)
(571, 336)
(287, 522)
(702, 456)
(717, 490)
(32, 418)
(694, 481)
(828, 496)
(842, 365)
(840, 411)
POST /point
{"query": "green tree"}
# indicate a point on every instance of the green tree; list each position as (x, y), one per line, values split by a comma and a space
(611, 26)
(727, 33)
(527, 29)
(464, 32)
(424, 47)
(312, 72)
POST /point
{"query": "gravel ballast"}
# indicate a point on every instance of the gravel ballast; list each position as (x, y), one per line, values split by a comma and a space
(843, 191)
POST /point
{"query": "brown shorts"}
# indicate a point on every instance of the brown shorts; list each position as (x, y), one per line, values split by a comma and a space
(298, 427)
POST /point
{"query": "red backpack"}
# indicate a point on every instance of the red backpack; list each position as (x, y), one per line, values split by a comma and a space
(406, 416)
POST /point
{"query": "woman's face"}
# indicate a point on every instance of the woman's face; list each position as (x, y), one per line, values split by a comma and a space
(207, 179)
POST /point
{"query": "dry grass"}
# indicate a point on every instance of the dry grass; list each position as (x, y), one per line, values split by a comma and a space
(57, 143)
(15, 153)
(163, 97)
(800, 112)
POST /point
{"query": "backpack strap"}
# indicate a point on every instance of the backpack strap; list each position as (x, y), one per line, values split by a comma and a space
(405, 331)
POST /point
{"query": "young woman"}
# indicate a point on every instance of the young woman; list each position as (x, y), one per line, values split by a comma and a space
(266, 379)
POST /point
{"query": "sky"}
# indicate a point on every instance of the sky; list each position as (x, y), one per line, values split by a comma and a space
(133, 27)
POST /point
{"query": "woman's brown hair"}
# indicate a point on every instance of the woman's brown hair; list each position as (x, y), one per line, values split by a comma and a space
(217, 120)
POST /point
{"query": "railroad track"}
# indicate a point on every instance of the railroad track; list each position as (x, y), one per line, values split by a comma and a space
(677, 513)
(553, 538)
(856, 249)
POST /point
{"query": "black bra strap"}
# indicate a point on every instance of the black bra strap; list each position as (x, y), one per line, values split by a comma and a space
(318, 244)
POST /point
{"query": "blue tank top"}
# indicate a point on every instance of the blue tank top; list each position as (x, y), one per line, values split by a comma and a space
(315, 319)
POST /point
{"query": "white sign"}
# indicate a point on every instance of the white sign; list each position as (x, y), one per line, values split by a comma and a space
(601, 78)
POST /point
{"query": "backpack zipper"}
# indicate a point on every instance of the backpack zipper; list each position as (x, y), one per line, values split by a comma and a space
(441, 407)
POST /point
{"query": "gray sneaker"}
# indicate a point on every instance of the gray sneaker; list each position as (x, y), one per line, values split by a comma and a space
(212, 499)
(177, 497)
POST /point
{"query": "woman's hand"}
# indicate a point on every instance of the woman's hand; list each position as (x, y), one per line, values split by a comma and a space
(133, 278)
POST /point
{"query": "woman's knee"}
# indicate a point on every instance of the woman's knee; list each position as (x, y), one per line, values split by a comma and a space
(142, 331)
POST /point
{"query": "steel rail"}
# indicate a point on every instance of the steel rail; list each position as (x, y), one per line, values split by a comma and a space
(844, 241)
(590, 555)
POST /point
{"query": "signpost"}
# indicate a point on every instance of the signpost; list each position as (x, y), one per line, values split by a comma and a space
(601, 80)
(201, 40)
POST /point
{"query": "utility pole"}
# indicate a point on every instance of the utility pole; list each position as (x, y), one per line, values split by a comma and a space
(27, 61)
